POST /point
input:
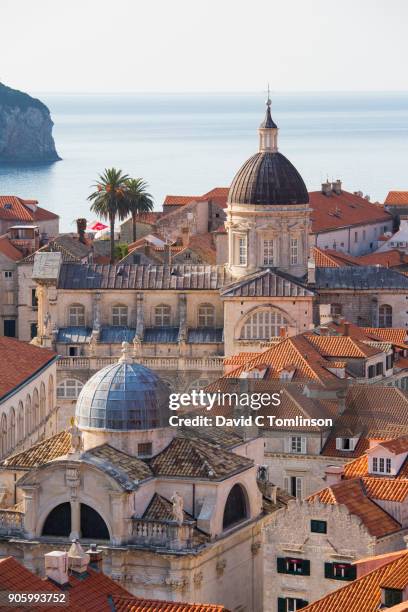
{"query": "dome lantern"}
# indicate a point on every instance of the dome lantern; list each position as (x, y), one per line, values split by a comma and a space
(268, 131)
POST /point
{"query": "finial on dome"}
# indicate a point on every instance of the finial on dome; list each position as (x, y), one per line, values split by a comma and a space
(268, 122)
(126, 356)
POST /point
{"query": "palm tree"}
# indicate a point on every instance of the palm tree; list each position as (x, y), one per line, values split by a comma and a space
(109, 200)
(139, 201)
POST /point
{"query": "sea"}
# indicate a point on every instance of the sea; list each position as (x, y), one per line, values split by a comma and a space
(186, 144)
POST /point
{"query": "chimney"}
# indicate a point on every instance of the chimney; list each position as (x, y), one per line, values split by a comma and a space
(311, 271)
(56, 566)
(81, 228)
(346, 328)
(336, 187)
(95, 557)
(185, 236)
(167, 254)
(77, 559)
(327, 188)
(282, 332)
(334, 474)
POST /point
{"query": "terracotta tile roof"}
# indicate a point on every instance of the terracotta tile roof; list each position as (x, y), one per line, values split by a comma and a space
(12, 207)
(397, 198)
(161, 509)
(9, 250)
(341, 346)
(126, 469)
(397, 446)
(296, 352)
(218, 195)
(123, 604)
(336, 211)
(240, 358)
(352, 493)
(203, 245)
(197, 459)
(178, 200)
(391, 489)
(372, 413)
(41, 214)
(357, 467)
(42, 452)
(364, 594)
(388, 259)
(395, 335)
(19, 361)
(328, 258)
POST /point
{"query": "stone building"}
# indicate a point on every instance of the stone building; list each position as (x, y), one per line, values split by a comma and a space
(181, 514)
(28, 410)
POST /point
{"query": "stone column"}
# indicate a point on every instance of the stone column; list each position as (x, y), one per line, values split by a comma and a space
(117, 517)
(30, 509)
(140, 315)
(75, 519)
(96, 314)
(182, 306)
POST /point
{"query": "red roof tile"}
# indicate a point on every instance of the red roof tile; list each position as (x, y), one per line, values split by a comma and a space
(123, 604)
(19, 361)
(12, 207)
(364, 594)
(352, 493)
(397, 198)
(335, 211)
(9, 250)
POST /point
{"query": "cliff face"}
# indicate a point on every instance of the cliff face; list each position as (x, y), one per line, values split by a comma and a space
(25, 129)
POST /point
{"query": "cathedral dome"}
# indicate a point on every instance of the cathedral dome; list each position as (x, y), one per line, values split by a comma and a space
(268, 177)
(123, 396)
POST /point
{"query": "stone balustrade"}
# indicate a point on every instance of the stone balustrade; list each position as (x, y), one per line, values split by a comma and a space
(201, 364)
(11, 522)
(163, 534)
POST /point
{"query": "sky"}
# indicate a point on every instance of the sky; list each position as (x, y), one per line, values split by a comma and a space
(203, 46)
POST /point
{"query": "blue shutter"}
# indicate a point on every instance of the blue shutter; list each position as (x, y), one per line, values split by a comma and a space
(281, 565)
(351, 573)
(328, 570)
(305, 567)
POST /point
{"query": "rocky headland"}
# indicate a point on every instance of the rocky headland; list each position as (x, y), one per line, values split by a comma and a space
(25, 129)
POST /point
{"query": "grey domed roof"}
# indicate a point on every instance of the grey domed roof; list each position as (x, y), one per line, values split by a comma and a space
(123, 396)
(268, 178)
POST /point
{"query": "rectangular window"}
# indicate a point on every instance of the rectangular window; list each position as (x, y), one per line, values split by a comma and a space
(297, 444)
(388, 465)
(290, 565)
(381, 465)
(8, 274)
(346, 444)
(379, 368)
(9, 297)
(73, 351)
(318, 526)
(119, 316)
(371, 371)
(268, 253)
(340, 571)
(144, 449)
(391, 597)
(242, 251)
(33, 330)
(294, 486)
(355, 236)
(34, 299)
(375, 464)
(290, 604)
(389, 362)
(294, 251)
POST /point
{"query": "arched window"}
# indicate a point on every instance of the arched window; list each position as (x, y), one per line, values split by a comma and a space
(69, 389)
(3, 435)
(12, 430)
(235, 508)
(58, 522)
(385, 316)
(50, 393)
(20, 422)
(336, 310)
(76, 315)
(36, 410)
(28, 415)
(263, 325)
(206, 315)
(92, 524)
(43, 400)
(162, 315)
(119, 315)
